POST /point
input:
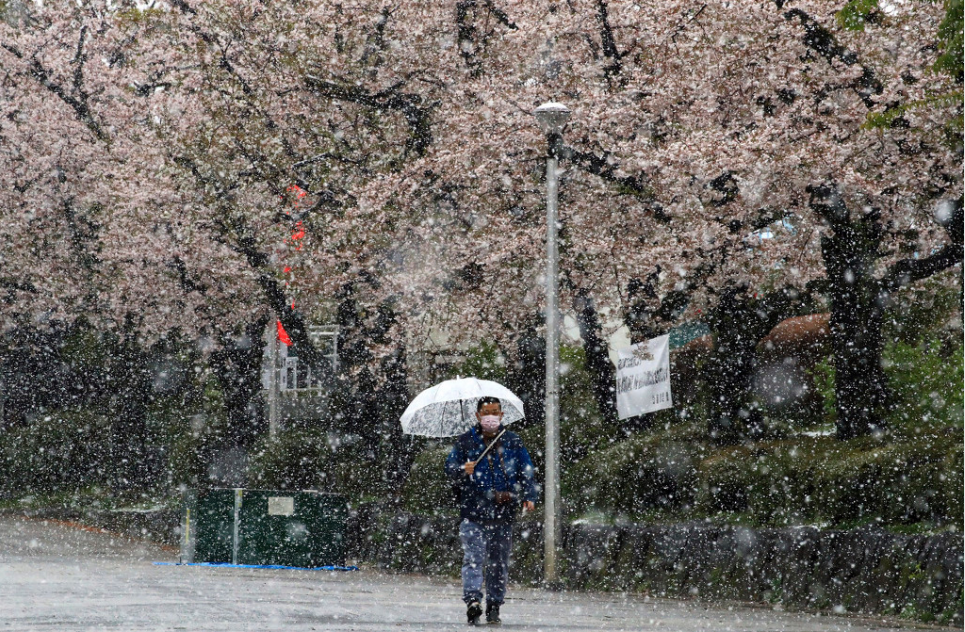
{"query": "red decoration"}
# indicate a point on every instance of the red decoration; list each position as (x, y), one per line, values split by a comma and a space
(283, 335)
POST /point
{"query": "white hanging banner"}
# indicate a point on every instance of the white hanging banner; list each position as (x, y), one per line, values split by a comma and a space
(643, 378)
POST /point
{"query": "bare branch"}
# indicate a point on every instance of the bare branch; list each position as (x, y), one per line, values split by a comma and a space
(412, 107)
(603, 167)
(821, 41)
(80, 106)
(608, 41)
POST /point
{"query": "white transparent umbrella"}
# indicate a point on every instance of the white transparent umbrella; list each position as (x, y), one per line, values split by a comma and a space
(449, 408)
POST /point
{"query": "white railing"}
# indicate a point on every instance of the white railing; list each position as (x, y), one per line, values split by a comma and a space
(298, 376)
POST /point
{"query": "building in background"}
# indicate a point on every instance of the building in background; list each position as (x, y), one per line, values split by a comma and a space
(295, 392)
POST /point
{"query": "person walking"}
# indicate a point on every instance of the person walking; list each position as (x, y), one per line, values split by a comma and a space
(492, 487)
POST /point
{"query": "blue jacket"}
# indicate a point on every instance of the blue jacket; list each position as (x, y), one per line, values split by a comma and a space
(506, 468)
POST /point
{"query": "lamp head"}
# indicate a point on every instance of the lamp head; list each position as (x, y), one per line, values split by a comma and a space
(552, 117)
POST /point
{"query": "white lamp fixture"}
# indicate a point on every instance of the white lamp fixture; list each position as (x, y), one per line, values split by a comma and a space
(552, 116)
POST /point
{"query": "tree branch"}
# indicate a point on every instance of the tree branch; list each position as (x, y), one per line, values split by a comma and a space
(910, 270)
(501, 15)
(821, 40)
(15, 285)
(184, 279)
(78, 62)
(80, 106)
(466, 35)
(412, 107)
(907, 271)
(293, 322)
(467, 31)
(244, 243)
(608, 42)
(826, 201)
(601, 166)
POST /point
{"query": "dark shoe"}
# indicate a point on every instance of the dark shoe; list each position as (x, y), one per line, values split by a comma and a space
(492, 614)
(473, 611)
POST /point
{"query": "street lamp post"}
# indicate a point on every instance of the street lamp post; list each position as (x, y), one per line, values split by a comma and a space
(551, 118)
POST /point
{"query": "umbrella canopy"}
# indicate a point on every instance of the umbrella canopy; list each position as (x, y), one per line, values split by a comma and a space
(449, 408)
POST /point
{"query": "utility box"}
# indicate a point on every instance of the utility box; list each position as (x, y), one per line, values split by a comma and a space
(262, 527)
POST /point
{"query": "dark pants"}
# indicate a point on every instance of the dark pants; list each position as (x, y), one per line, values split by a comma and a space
(485, 553)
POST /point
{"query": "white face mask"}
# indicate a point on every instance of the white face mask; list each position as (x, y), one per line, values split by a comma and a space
(489, 423)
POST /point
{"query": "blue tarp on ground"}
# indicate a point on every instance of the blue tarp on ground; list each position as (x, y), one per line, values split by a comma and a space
(227, 565)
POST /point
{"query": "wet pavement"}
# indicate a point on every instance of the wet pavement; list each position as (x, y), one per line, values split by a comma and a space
(59, 577)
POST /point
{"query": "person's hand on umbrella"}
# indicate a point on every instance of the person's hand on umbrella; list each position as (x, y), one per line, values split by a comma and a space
(528, 505)
(469, 467)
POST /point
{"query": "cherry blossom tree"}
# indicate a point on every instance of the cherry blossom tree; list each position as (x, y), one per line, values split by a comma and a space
(91, 220)
(722, 126)
(699, 129)
(94, 231)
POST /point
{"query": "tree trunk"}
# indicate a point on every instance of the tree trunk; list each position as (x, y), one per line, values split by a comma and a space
(730, 369)
(369, 406)
(527, 378)
(397, 449)
(597, 353)
(860, 384)
(130, 383)
(739, 322)
(237, 366)
(858, 299)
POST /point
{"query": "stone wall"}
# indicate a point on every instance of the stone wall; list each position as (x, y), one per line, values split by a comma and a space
(160, 525)
(859, 571)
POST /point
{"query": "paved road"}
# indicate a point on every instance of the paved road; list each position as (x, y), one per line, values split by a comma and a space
(55, 577)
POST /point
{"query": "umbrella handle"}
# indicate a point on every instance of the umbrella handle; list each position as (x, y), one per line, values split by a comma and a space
(490, 446)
